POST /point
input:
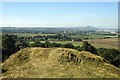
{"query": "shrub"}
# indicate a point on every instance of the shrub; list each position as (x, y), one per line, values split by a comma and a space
(38, 44)
(88, 47)
(68, 45)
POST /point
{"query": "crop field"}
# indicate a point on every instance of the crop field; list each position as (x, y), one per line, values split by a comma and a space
(31, 35)
(75, 43)
(96, 40)
(92, 36)
(105, 43)
(98, 43)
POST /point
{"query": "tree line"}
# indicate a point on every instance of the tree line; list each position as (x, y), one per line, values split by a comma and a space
(10, 44)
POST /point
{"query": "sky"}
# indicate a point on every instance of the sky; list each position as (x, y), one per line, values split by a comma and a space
(59, 14)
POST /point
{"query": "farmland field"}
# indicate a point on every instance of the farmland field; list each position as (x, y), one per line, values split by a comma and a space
(31, 35)
(98, 43)
(96, 40)
(105, 43)
(88, 35)
(93, 36)
(64, 42)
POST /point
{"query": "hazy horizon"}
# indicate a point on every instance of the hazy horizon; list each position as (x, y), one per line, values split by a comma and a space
(57, 27)
(60, 14)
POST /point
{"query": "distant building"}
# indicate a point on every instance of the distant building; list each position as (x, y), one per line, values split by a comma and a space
(112, 31)
(64, 31)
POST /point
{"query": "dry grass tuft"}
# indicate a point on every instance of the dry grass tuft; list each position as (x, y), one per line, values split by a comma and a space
(57, 63)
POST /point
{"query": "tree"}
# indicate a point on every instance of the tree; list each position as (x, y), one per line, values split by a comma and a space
(38, 44)
(85, 46)
(21, 45)
(55, 44)
(47, 44)
(45, 38)
(88, 47)
(116, 62)
(111, 55)
(78, 48)
(8, 46)
(68, 45)
(8, 42)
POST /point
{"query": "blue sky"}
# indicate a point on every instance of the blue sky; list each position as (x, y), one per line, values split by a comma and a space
(60, 14)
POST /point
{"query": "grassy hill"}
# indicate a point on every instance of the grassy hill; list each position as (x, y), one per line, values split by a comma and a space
(57, 63)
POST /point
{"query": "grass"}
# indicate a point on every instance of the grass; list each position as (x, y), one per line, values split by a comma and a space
(63, 42)
(90, 35)
(58, 63)
(105, 43)
(73, 42)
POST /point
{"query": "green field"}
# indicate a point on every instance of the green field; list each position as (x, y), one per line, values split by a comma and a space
(88, 36)
(64, 42)
(105, 43)
(96, 40)
(92, 36)
(31, 35)
(98, 43)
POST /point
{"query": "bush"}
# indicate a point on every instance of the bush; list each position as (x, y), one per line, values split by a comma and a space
(111, 55)
(21, 45)
(55, 44)
(47, 44)
(8, 46)
(68, 45)
(78, 48)
(88, 47)
(38, 44)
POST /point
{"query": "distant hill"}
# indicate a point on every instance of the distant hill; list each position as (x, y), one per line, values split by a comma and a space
(57, 63)
(46, 30)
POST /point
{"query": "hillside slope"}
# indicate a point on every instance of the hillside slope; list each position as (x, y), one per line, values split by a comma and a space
(57, 63)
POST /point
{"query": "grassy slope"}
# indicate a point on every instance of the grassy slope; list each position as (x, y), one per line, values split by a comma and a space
(58, 63)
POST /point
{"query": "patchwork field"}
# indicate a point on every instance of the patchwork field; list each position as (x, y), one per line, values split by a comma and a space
(31, 35)
(98, 43)
(94, 36)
